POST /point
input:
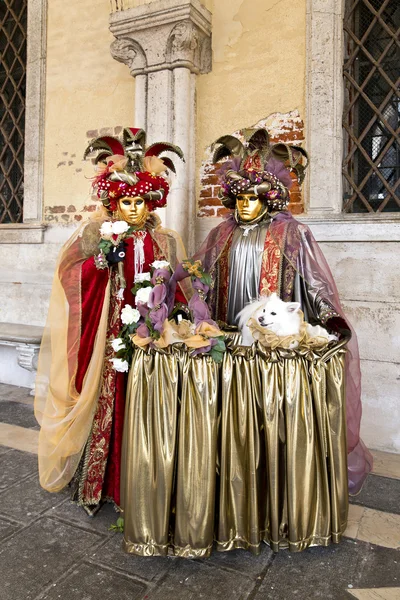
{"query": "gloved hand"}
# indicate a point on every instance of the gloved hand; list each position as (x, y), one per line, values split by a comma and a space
(116, 254)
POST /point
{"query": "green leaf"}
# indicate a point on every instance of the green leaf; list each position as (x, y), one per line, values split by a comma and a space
(206, 279)
(119, 525)
(220, 345)
(217, 356)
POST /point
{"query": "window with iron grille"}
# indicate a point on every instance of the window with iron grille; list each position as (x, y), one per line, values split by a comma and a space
(13, 24)
(371, 168)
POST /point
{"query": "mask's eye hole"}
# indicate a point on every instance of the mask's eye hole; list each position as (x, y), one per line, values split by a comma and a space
(126, 202)
(139, 202)
(273, 313)
(264, 310)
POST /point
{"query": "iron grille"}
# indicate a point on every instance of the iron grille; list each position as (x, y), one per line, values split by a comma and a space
(13, 23)
(371, 167)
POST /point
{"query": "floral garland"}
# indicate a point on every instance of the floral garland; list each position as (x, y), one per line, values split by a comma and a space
(148, 324)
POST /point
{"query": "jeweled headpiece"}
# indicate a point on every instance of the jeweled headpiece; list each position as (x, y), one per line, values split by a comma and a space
(258, 167)
(127, 168)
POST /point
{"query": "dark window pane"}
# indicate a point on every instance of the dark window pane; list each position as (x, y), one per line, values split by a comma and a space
(371, 167)
(13, 18)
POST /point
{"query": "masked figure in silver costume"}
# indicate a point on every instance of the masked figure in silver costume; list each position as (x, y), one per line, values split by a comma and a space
(260, 249)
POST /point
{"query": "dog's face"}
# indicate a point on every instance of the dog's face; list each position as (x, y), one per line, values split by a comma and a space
(274, 313)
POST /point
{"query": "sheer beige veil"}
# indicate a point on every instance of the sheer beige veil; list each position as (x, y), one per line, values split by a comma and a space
(65, 415)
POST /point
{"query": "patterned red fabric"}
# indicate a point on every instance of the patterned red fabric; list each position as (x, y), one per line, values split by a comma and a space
(113, 470)
(102, 472)
(93, 286)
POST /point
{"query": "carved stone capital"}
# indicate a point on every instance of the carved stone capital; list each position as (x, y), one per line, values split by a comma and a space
(165, 34)
(129, 52)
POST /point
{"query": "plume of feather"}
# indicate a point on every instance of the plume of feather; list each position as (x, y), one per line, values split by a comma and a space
(228, 145)
(277, 168)
(230, 165)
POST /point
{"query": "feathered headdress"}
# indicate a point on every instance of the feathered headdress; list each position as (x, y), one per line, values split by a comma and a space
(127, 168)
(258, 167)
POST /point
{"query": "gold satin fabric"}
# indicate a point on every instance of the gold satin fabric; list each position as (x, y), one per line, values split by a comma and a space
(248, 451)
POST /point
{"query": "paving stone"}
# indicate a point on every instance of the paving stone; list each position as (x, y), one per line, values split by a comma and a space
(89, 582)
(38, 555)
(189, 579)
(7, 528)
(242, 561)
(327, 572)
(147, 567)
(74, 514)
(16, 413)
(16, 465)
(381, 493)
(4, 449)
(26, 500)
(15, 393)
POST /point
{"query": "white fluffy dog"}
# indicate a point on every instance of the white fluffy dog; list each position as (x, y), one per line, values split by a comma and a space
(283, 318)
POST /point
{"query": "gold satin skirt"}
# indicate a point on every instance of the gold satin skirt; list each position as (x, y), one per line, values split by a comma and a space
(248, 451)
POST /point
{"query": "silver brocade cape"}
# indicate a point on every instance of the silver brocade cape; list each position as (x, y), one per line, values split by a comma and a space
(315, 289)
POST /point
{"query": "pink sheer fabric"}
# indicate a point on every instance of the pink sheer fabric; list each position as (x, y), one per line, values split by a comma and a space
(312, 267)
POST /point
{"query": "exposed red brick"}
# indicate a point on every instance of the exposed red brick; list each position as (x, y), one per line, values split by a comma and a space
(206, 192)
(295, 198)
(90, 208)
(210, 180)
(210, 202)
(65, 218)
(117, 130)
(221, 212)
(207, 212)
(71, 208)
(78, 217)
(92, 133)
(296, 209)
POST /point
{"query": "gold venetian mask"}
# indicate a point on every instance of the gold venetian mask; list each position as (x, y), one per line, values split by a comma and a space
(133, 210)
(249, 206)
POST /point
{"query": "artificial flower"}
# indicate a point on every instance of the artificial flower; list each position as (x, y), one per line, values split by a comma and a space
(157, 317)
(106, 230)
(142, 277)
(160, 276)
(119, 162)
(122, 366)
(129, 315)
(160, 264)
(194, 268)
(143, 294)
(154, 165)
(117, 344)
(157, 296)
(119, 227)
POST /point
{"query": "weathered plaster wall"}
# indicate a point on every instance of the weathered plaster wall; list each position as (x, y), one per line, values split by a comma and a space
(258, 69)
(86, 89)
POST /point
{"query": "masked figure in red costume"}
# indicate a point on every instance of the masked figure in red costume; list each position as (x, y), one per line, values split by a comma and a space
(80, 391)
(260, 249)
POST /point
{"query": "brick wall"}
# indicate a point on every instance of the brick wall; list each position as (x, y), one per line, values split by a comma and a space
(288, 128)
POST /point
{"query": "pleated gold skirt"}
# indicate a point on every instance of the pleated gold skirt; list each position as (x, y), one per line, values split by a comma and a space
(252, 450)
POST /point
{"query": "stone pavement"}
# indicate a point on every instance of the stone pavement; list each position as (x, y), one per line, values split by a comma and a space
(50, 549)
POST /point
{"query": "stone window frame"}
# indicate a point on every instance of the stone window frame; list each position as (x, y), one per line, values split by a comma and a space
(31, 230)
(324, 134)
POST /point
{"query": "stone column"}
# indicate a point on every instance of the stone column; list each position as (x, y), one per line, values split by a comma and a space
(166, 44)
